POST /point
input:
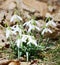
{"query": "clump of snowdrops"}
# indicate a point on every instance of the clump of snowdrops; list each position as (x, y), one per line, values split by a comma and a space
(22, 37)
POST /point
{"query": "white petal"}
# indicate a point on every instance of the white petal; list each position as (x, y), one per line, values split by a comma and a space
(14, 32)
(43, 32)
(38, 28)
(8, 32)
(19, 17)
(26, 23)
(37, 22)
(31, 25)
(14, 17)
(30, 28)
(49, 30)
(20, 32)
(51, 23)
(24, 38)
(46, 30)
(16, 29)
(54, 24)
(18, 41)
(32, 40)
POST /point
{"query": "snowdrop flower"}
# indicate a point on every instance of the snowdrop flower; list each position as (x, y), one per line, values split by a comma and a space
(32, 22)
(15, 18)
(16, 29)
(20, 32)
(37, 28)
(51, 23)
(48, 15)
(33, 41)
(32, 25)
(26, 23)
(19, 42)
(24, 38)
(46, 30)
(30, 39)
(8, 32)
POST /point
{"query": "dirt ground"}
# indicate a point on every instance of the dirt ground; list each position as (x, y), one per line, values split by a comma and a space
(27, 8)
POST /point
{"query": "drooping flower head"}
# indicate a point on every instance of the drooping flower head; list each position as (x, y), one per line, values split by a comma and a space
(51, 23)
(32, 24)
(46, 30)
(24, 38)
(15, 29)
(15, 18)
(8, 32)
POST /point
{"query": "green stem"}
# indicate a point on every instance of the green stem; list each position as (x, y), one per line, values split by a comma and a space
(27, 56)
(18, 53)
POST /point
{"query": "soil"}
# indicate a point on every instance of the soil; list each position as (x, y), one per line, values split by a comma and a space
(26, 9)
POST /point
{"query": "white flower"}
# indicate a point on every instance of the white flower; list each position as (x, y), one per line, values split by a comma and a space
(24, 38)
(37, 28)
(26, 23)
(19, 42)
(16, 29)
(30, 39)
(46, 30)
(15, 18)
(51, 23)
(8, 32)
(33, 27)
(32, 24)
(20, 32)
(33, 41)
(48, 15)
